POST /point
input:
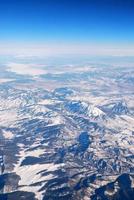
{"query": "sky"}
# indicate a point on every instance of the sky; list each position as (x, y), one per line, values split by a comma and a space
(52, 27)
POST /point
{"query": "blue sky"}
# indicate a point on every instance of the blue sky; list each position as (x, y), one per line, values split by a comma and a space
(70, 24)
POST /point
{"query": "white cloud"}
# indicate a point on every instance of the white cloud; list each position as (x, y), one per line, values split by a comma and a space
(26, 69)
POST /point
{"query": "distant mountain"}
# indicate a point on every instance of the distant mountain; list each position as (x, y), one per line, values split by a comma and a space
(85, 109)
(116, 108)
(120, 108)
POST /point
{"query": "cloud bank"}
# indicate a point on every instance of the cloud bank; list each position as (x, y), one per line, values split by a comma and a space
(56, 49)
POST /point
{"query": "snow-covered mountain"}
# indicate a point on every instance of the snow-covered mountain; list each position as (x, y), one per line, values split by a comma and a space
(62, 141)
(84, 108)
(120, 108)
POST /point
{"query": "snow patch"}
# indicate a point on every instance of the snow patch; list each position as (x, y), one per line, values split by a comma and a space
(95, 112)
(8, 135)
(31, 174)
